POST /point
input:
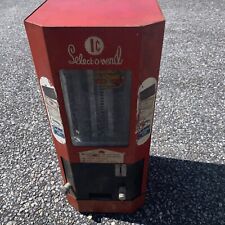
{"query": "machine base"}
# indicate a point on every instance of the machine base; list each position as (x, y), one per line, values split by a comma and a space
(106, 206)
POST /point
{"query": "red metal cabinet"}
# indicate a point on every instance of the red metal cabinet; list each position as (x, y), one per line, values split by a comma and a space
(98, 66)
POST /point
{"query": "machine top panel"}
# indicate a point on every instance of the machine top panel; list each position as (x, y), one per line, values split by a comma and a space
(96, 13)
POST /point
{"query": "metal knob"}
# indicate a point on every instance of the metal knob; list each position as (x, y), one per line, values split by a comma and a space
(65, 189)
(122, 194)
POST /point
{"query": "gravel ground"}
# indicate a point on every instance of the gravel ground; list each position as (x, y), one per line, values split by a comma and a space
(187, 171)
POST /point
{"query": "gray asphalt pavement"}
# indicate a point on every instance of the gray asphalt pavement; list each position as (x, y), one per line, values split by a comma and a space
(187, 169)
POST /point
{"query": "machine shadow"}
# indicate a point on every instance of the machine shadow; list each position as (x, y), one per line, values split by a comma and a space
(180, 192)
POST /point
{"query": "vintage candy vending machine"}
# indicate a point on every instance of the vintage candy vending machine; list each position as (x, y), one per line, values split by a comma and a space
(98, 63)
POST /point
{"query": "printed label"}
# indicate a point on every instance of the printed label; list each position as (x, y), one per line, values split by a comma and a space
(109, 78)
(94, 45)
(79, 59)
(52, 106)
(145, 109)
(101, 156)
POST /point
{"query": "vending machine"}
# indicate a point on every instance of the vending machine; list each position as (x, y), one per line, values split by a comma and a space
(97, 64)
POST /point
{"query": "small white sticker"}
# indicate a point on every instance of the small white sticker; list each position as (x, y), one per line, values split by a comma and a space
(52, 106)
(101, 156)
(145, 109)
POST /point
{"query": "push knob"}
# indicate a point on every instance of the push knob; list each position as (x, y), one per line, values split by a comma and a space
(122, 194)
(65, 189)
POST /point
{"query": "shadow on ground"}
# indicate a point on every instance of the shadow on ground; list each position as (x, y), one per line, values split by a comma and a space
(180, 192)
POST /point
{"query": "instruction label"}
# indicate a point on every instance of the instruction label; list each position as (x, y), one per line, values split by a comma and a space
(52, 106)
(145, 109)
(101, 156)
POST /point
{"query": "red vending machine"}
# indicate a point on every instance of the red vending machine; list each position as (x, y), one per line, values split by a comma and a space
(98, 65)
